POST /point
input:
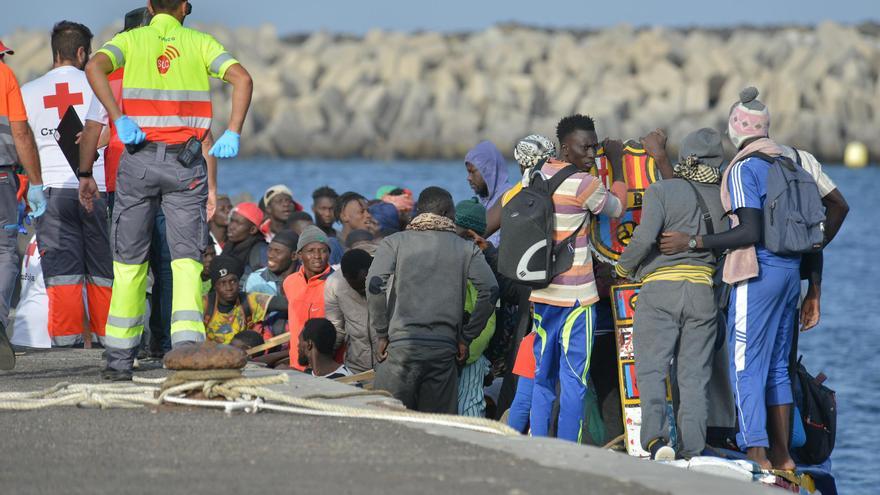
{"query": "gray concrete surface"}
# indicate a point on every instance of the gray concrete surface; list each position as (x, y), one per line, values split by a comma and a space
(174, 450)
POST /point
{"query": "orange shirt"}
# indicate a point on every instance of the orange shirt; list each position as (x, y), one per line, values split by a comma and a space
(11, 104)
(305, 300)
(11, 110)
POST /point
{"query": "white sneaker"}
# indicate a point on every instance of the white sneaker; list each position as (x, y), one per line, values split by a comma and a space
(662, 452)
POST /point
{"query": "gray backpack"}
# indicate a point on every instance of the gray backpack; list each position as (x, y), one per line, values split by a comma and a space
(794, 218)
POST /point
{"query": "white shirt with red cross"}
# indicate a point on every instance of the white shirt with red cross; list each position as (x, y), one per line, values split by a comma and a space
(46, 99)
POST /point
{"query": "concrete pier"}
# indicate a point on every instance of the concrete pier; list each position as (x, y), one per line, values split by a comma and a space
(174, 450)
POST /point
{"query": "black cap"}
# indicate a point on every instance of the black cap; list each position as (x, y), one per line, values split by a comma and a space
(224, 265)
(287, 238)
(137, 18)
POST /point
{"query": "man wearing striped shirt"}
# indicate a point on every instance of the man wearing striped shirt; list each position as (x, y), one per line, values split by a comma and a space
(564, 309)
(676, 313)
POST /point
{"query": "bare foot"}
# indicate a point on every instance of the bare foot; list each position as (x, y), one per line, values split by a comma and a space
(781, 460)
(759, 456)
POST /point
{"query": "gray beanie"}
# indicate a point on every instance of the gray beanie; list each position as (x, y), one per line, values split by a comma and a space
(705, 144)
(309, 235)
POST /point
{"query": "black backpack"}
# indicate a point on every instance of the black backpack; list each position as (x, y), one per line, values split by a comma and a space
(526, 253)
(818, 408)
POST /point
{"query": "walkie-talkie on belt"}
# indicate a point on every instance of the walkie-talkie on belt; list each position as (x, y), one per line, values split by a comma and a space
(191, 152)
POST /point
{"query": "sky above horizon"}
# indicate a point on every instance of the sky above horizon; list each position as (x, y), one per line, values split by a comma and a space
(359, 16)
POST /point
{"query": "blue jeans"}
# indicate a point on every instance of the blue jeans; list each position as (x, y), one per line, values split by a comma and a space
(160, 264)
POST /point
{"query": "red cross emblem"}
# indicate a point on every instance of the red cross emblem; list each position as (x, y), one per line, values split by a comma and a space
(62, 99)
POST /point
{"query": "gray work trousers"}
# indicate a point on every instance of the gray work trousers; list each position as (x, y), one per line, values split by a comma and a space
(422, 376)
(8, 240)
(147, 180)
(150, 179)
(675, 319)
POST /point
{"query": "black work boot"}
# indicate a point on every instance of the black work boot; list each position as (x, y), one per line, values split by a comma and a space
(116, 375)
(7, 354)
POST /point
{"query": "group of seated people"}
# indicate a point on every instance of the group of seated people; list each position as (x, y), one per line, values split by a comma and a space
(273, 266)
(274, 269)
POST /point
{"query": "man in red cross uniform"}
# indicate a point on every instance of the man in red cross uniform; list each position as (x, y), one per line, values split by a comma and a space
(74, 243)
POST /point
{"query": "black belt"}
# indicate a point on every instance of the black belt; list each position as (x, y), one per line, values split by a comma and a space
(153, 146)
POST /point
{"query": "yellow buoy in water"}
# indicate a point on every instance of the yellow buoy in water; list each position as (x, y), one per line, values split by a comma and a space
(855, 155)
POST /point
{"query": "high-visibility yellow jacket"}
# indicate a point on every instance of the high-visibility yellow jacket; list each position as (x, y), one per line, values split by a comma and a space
(165, 88)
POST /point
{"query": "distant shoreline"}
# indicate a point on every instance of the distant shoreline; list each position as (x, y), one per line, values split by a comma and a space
(389, 95)
(868, 28)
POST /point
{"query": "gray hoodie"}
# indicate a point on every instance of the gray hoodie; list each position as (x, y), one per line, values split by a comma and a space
(425, 300)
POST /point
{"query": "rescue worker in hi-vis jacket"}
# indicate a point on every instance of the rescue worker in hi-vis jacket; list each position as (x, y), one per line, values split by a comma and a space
(167, 102)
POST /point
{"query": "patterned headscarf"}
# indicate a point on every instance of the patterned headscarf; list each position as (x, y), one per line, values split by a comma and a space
(533, 149)
(431, 221)
(694, 170)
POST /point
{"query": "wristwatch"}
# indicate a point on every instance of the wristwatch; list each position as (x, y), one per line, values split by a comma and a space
(692, 243)
(84, 175)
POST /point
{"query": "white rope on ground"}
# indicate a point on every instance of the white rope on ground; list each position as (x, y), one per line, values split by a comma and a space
(141, 379)
(247, 394)
(102, 396)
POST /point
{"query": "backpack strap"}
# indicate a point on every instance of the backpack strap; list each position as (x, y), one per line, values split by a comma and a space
(761, 156)
(704, 209)
(554, 183)
(781, 159)
(559, 177)
(245, 305)
(563, 252)
(212, 305)
(704, 214)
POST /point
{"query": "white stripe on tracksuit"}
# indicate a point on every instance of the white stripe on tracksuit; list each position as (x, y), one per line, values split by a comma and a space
(739, 197)
(741, 309)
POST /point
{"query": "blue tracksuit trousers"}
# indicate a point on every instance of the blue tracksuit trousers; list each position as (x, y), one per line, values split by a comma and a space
(760, 322)
(520, 408)
(562, 354)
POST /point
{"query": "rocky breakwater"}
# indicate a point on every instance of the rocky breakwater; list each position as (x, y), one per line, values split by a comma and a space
(431, 95)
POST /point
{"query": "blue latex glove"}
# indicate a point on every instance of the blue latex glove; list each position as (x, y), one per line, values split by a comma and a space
(23, 218)
(226, 146)
(128, 131)
(36, 200)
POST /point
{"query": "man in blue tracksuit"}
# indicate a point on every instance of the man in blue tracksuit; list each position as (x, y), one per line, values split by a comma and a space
(564, 317)
(765, 291)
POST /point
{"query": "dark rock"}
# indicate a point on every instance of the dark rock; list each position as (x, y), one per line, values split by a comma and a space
(205, 356)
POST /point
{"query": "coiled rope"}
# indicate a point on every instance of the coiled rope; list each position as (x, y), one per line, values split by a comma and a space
(231, 391)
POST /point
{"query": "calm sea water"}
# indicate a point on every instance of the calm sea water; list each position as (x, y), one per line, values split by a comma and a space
(845, 345)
